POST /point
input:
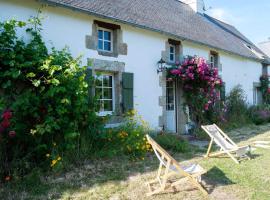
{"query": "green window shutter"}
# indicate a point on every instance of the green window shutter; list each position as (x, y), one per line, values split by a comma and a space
(127, 91)
(90, 82)
(223, 92)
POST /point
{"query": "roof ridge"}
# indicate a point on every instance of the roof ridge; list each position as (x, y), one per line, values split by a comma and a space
(226, 29)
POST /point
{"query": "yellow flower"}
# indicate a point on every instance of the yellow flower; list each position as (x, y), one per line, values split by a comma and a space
(47, 155)
(54, 144)
(59, 158)
(53, 163)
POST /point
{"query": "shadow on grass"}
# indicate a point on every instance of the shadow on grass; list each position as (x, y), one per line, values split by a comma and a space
(216, 177)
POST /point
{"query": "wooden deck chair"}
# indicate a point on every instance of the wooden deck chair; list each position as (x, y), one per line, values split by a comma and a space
(227, 146)
(169, 166)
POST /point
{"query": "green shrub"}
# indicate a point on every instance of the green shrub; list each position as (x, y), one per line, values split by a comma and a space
(128, 139)
(46, 108)
(172, 142)
(235, 110)
(260, 114)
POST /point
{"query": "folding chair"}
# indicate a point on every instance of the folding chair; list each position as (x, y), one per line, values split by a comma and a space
(169, 166)
(227, 146)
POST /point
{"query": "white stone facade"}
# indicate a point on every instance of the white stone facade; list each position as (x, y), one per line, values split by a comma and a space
(63, 27)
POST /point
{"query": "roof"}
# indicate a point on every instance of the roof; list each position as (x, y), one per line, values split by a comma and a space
(170, 17)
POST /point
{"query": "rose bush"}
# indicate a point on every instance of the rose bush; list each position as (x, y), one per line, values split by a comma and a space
(201, 85)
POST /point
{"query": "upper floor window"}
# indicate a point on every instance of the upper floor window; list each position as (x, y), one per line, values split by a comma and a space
(105, 92)
(105, 40)
(172, 53)
(214, 59)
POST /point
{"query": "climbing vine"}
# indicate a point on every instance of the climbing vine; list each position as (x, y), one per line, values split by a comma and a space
(201, 85)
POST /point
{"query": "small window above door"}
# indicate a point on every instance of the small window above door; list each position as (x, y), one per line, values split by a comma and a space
(172, 53)
(214, 59)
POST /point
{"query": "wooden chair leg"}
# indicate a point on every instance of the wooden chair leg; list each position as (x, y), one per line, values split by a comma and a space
(209, 148)
(232, 157)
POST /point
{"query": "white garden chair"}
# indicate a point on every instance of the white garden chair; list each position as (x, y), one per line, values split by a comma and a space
(168, 167)
(227, 146)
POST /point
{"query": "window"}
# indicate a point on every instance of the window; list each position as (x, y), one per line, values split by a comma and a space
(257, 96)
(214, 60)
(105, 93)
(169, 95)
(104, 40)
(172, 53)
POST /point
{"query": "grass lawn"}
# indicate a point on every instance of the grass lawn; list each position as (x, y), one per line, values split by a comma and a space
(120, 178)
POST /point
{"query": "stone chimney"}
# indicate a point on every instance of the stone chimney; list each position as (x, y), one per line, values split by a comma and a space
(196, 5)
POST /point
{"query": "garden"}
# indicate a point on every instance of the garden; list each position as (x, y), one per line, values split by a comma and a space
(53, 145)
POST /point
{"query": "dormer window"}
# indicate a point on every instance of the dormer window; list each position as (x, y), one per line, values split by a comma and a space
(172, 53)
(105, 40)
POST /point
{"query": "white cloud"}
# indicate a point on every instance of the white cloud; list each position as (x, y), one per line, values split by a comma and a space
(224, 16)
(217, 13)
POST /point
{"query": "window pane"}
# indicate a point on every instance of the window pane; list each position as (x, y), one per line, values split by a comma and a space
(169, 84)
(108, 105)
(101, 105)
(107, 35)
(171, 49)
(100, 44)
(98, 93)
(107, 81)
(107, 93)
(172, 57)
(98, 81)
(107, 46)
(100, 34)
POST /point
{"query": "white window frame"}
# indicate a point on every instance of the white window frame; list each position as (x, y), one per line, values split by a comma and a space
(256, 91)
(170, 53)
(104, 113)
(173, 89)
(103, 40)
(212, 60)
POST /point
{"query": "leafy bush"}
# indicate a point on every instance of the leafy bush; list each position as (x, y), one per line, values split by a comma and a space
(236, 107)
(129, 138)
(260, 114)
(172, 142)
(44, 98)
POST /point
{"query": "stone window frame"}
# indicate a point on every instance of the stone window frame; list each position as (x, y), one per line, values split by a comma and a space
(218, 65)
(215, 56)
(172, 53)
(116, 69)
(118, 46)
(178, 51)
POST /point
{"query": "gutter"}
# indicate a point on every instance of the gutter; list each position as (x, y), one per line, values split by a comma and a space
(48, 2)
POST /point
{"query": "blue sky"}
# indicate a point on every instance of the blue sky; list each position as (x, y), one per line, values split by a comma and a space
(250, 17)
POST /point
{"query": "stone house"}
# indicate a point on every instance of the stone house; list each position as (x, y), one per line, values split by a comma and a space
(122, 41)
